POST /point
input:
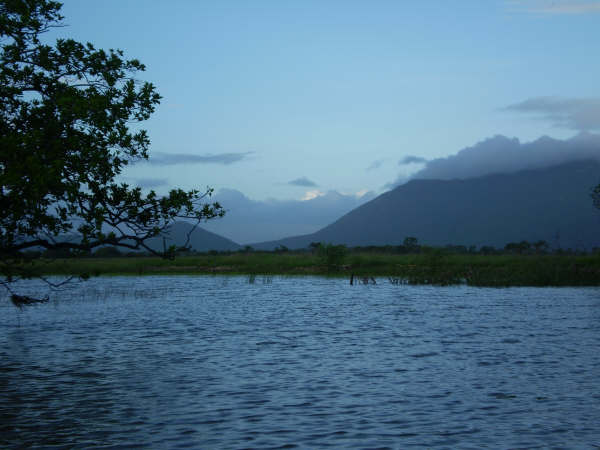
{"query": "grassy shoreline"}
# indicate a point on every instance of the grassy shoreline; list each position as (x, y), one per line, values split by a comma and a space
(436, 268)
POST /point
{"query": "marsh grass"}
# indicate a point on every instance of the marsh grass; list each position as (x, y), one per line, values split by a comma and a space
(436, 268)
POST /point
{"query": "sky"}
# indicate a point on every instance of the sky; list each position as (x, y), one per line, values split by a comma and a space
(290, 100)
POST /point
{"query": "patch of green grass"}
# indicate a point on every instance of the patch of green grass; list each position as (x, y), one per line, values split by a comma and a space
(425, 268)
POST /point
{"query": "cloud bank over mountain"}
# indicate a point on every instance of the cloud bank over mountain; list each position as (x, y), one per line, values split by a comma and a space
(248, 221)
(501, 154)
(582, 114)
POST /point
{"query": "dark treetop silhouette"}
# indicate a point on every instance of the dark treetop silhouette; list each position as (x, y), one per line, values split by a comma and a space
(596, 196)
(65, 113)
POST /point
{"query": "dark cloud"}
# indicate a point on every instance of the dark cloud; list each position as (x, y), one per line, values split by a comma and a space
(505, 155)
(303, 181)
(151, 183)
(581, 114)
(169, 159)
(411, 159)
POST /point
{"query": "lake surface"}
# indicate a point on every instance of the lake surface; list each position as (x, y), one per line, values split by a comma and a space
(233, 362)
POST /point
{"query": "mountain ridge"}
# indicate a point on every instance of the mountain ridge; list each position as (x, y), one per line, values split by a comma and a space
(551, 204)
(200, 239)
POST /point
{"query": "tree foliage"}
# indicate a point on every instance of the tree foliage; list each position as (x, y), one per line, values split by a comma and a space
(66, 116)
(411, 244)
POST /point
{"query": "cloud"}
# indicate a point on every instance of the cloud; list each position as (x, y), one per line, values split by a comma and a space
(170, 159)
(375, 165)
(309, 195)
(504, 155)
(581, 114)
(400, 180)
(150, 183)
(303, 181)
(411, 159)
(501, 154)
(555, 6)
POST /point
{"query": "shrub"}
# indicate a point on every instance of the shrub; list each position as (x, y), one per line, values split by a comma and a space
(332, 255)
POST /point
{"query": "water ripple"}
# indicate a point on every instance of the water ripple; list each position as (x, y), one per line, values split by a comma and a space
(217, 362)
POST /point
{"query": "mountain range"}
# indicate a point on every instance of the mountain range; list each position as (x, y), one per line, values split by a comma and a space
(254, 221)
(551, 204)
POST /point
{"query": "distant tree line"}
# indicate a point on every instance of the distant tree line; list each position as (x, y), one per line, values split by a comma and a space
(333, 255)
(411, 246)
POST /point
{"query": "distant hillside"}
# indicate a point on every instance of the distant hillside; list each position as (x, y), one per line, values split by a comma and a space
(552, 204)
(254, 221)
(200, 239)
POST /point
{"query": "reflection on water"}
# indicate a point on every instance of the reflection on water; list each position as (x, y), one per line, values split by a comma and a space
(219, 362)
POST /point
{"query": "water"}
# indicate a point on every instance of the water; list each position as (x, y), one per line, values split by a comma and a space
(219, 362)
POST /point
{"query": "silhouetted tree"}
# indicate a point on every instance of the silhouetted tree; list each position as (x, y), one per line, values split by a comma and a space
(521, 248)
(524, 247)
(487, 250)
(411, 244)
(65, 115)
(314, 246)
(596, 196)
(540, 247)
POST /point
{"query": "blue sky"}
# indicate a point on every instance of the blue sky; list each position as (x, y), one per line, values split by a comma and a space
(280, 99)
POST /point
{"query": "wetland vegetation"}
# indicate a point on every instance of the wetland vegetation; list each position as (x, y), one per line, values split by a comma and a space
(516, 265)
